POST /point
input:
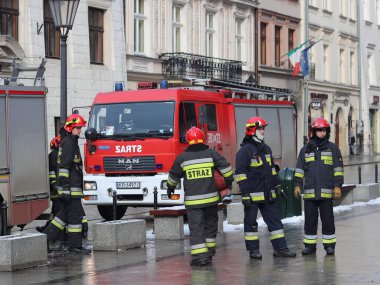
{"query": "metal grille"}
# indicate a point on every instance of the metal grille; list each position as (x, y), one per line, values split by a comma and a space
(186, 65)
(133, 163)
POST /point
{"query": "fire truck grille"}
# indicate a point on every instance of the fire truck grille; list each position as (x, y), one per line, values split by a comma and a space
(129, 163)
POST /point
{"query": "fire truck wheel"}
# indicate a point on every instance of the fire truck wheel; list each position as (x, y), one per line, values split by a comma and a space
(106, 212)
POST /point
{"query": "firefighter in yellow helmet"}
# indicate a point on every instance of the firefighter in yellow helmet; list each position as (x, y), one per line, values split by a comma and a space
(257, 178)
(69, 186)
(319, 172)
(197, 165)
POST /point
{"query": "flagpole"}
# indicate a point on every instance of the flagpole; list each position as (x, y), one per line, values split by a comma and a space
(306, 79)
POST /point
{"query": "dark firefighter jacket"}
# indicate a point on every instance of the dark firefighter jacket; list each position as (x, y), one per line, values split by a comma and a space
(196, 165)
(320, 168)
(53, 156)
(70, 174)
(255, 171)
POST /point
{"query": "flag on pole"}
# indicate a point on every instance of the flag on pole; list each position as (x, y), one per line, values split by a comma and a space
(304, 63)
(295, 57)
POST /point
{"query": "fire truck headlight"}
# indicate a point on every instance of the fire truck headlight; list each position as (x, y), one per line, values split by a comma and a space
(90, 185)
(164, 185)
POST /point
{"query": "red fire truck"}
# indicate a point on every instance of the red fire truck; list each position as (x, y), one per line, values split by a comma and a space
(136, 135)
(24, 183)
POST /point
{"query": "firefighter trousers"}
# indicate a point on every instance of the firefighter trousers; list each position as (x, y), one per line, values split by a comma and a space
(271, 217)
(70, 216)
(326, 213)
(203, 225)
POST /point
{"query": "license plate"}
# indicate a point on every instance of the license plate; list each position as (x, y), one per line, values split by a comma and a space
(128, 185)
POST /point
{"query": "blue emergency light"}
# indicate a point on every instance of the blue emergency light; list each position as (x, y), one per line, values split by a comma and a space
(119, 86)
(164, 84)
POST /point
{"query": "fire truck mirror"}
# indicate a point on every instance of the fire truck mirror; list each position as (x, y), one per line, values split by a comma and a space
(182, 140)
(90, 134)
(202, 115)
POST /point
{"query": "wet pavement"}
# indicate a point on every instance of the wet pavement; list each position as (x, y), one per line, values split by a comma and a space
(356, 260)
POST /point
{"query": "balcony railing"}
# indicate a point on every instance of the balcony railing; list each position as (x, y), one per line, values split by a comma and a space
(186, 65)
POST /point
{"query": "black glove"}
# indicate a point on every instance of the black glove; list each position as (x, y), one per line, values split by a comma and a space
(246, 200)
(280, 191)
(170, 191)
(65, 195)
(84, 230)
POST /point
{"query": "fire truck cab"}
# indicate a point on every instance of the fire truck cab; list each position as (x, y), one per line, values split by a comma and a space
(136, 135)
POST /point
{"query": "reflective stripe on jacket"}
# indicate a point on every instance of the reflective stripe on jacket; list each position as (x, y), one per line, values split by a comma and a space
(196, 166)
(70, 174)
(319, 170)
(255, 171)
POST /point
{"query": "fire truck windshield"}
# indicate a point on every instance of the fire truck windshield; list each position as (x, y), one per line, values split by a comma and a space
(133, 120)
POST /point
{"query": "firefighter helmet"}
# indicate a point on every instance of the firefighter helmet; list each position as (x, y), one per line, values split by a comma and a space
(194, 135)
(73, 121)
(320, 123)
(253, 123)
(54, 143)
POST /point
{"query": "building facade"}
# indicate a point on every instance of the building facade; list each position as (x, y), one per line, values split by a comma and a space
(95, 49)
(222, 30)
(368, 127)
(332, 87)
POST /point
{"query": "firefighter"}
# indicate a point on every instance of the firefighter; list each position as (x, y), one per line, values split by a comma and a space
(69, 186)
(197, 165)
(257, 178)
(53, 155)
(319, 171)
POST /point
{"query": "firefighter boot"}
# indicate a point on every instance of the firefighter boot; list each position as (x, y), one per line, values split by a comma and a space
(80, 250)
(200, 262)
(255, 254)
(40, 229)
(309, 250)
(211, 253)
(330, 250)
(200, 259)
(284, 252)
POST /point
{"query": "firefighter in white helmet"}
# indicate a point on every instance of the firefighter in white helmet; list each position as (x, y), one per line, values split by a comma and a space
(257, 178)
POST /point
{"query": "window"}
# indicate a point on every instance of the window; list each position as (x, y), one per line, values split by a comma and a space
(342, 69)
(343, 7)
(366, 10)
(352, 68)
(325, 5)
(352, 9)
(212, 122)
(209, 34)
(139, 26)
(371, 69)
(326, 62)
(96, 30)
(9, 18)
(290, 41)
(238, 38)
(52, 42)
(263, 43)
(177, 28)
(277, 45)
(187, 119)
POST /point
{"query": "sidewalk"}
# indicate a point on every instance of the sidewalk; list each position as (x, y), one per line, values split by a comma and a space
(356, 261)
(357, 159)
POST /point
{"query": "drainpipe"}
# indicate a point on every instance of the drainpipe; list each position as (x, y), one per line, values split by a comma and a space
(306, 79)
(358, 20)
(256, 42)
